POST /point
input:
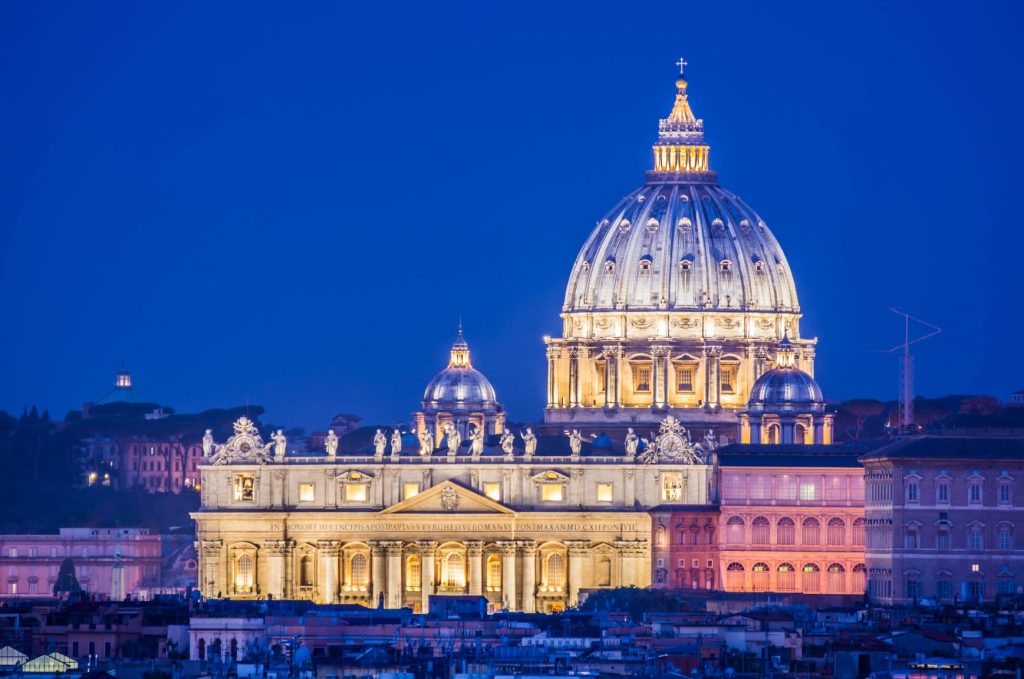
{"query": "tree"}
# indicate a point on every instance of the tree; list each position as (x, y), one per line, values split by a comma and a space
(66, 583)
(855, 414)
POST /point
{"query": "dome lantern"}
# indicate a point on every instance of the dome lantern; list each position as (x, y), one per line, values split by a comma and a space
(680, 151)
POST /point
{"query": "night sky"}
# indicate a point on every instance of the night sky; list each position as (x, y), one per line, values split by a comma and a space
(293, 204)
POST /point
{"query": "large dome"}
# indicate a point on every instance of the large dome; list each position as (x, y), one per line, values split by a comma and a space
(681, 241)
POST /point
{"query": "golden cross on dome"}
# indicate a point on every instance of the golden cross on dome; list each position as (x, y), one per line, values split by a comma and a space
(681, 64)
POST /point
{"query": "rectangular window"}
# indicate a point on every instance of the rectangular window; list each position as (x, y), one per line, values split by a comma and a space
(942, 540)
(975, 493)
(53, 552)
(33, 552)
(760, 487)
(642, 378)
(912, 492)
(735, 487)
(604, 492)
(672, 487)
(13, 552)
(729, 372)
(492, 489)
(307, 493)
(809, 491)
(942, 493)
(786, 487)
(1005, 494)
(355, 492)
(409, 490)
(974, 538)
(245, 487)
(551, 492)
(684, 379)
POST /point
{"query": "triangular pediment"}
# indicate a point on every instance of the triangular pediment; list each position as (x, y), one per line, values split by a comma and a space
(448, 497)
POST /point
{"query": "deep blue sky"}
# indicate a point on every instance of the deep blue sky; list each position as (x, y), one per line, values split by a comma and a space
(292, 204)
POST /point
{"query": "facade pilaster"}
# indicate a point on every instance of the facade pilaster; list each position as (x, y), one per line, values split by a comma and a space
(427, 548)
(574, 377)
(212, 565)
(277, 552)
(553, 355)
(378, 571)
(394, 586)
(529, 550)
(508, 573)
(659, 378)
(631, 557)
(328, 552)
(712, 376)
(475, 550)
(579, 551)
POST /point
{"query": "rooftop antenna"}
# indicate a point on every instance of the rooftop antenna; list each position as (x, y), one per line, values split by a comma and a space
(907, 367)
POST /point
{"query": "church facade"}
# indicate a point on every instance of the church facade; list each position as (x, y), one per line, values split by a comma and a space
(680, 317)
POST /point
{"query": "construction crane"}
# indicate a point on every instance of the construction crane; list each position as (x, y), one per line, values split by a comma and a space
(907, 367)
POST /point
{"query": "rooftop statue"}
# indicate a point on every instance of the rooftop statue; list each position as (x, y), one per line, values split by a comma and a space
(331, 443)
(529, 442)
(426, 442)
(453, 437)
(280, 444)
(396, 442)
(476, 441)
(575, 441)
(208, 443)
(507, 441)
(380, 442)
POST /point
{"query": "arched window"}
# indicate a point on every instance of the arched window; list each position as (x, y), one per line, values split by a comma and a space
(493, 573)
(785, 531)
(413, 574)
(660, 536)
(812, 531)
(858, 532)
(773, 434)
(799, 433)
(787, 577)
(836, 578)
(760, 531)
(836, 531)
(244, 574)
(811, 578)
(555, 572)
(857, 584)
(761, 577)
(306, 571)
(734, 531)
(359, 571)
(734, 577)
(454, 575)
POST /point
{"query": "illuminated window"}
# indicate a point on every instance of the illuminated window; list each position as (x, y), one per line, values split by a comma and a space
(786, 578)
(729, 372)
(811, 578)
(835, 578)
(306, 572)
(554, 575)
(410, 490)
(672, 487)
(786, 531)
(734, 577)
(684, 378)
(306, 492)
(355, 492)
(493, 573)
(761, 577)
(244, 574)
(642, 377)
(454, 575)
(604, 492)
(493, 490)
(412, 573)
(975, 568)
(551, 492)
(245, 487)
(809, 491)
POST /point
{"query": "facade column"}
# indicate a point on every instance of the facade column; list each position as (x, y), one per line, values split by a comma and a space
(574, 377)
(553, 355)
(659, 376)
(475, 549)
(529, 548)
(634, 571)
(609, 377)
(578, 552)
(394, 589)
(210, 560)
(427, 548)
(276, 551)
(508, 573)
(378, 551)
(712, 376)
(328, 551)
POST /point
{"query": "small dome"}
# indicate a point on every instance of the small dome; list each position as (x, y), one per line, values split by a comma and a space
(785, 387)
(460, 386)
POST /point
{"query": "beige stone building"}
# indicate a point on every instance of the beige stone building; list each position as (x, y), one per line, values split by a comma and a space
(525, 529)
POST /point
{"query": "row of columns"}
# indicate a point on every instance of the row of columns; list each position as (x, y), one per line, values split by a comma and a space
(684, 158)
(387, 560)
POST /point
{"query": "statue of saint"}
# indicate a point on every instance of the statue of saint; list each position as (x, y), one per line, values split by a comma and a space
(507, 441)
(529, 442)
(208, 443)
(331, 443)
(575, 441)
(710, 443)
(632, 442)
(396, 442)
(453, 437)
(426, 442)
(280, 444)
(476, 441)
(380, 442)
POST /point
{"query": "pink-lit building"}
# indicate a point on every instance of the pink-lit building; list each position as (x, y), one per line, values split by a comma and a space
(29, 563)
(685, 553)
(792, 520)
